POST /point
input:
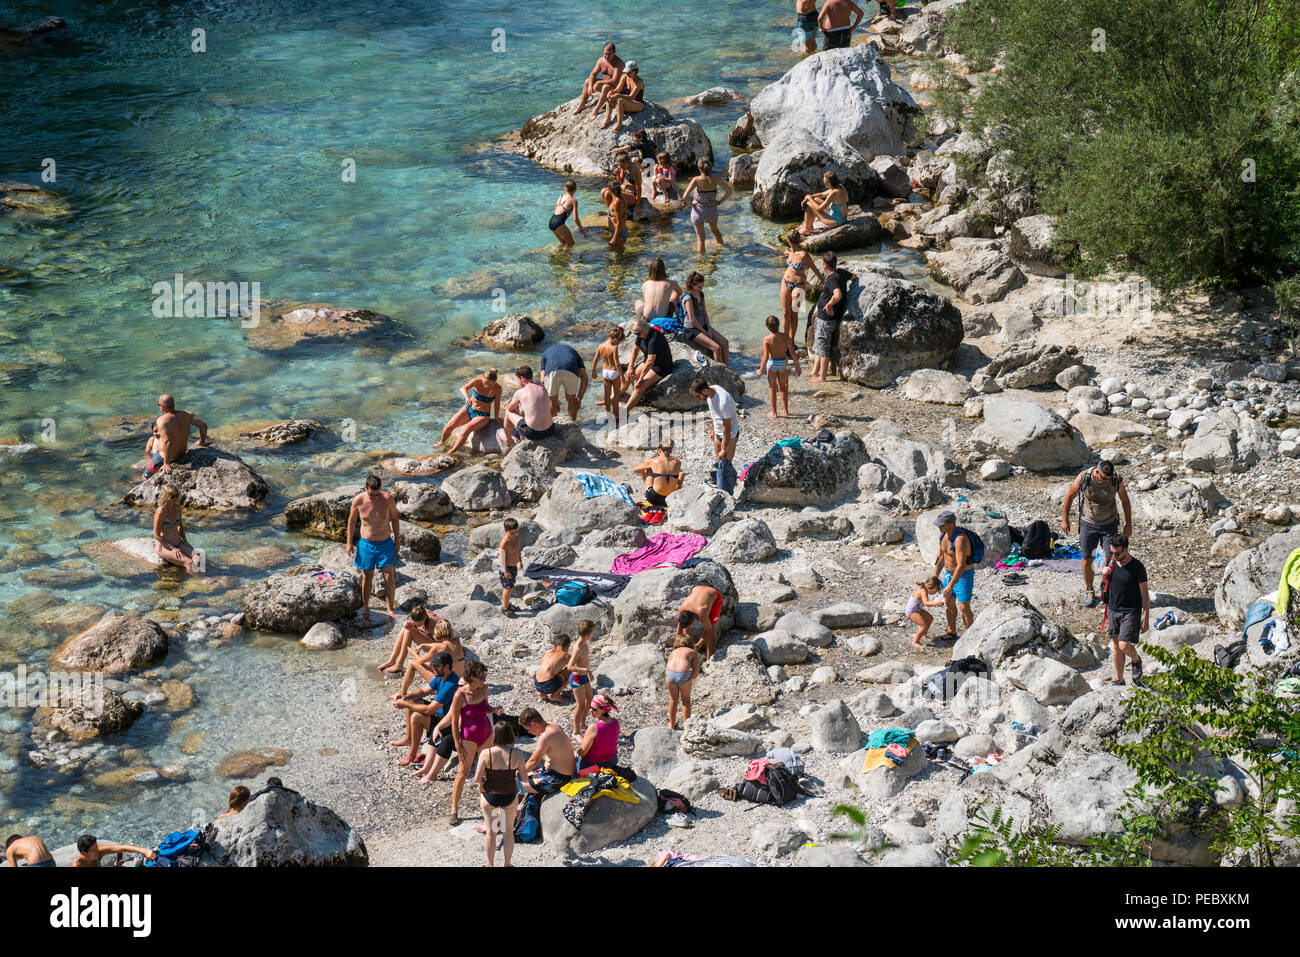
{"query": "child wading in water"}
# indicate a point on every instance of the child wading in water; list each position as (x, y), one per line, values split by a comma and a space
(920, 596)
(508, 557)
(778, 350)
(665, 179)
(607, 366)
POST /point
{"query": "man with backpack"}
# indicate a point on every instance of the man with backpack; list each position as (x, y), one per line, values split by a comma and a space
(1126, 598)
(1097, 489)
(957, 560)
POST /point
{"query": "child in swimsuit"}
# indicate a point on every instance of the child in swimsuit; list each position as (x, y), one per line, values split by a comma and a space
(777, 351)
(917, 613)
(580, 675)
(664, 182)
(605, 363)
(509, 555)
(681, 669)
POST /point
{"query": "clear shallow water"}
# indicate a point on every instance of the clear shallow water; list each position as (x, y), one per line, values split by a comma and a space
(226, 165)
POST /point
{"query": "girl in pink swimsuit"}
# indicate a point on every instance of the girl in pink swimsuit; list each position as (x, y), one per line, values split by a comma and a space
(471, 727)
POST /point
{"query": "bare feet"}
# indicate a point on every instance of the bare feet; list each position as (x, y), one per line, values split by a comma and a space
(401, 744)
(771, 415)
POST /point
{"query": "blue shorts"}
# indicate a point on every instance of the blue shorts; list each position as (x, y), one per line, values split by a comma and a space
(577, 681)
(372, 555)
(776, 365)
(964, 588)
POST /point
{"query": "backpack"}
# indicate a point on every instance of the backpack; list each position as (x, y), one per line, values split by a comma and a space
(782, 785)
(573, 594)
(528, 820)
(1037, 542)
(1115, 480)
(976, 544)
(945, 683)
(670, 802)
(1227, 657)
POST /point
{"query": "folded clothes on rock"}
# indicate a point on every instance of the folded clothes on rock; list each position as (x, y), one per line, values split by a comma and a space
(605, 584)
(886, 736)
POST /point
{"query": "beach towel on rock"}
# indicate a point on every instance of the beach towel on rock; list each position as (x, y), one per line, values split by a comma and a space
(887, 736)
(602, 583)
(593, 485)
(660, 550)
(876, 757)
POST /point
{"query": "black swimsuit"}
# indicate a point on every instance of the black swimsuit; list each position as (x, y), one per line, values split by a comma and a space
(558, 219)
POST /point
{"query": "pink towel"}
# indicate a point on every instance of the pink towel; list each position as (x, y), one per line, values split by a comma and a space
(663, 549)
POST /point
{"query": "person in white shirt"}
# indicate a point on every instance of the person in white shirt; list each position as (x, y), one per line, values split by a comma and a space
(726, 419)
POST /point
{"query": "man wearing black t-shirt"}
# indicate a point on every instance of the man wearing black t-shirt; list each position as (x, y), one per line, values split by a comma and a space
(657, 362)
(1128, 606)
(832, 305)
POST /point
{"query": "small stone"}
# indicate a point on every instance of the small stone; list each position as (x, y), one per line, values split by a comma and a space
(994, 470)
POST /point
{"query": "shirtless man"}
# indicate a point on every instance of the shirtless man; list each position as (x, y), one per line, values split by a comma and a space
(377, 546)
(703, 604)
(91, 850)
(552, 758)
(805, 17)
(662, 474)
(172, 431)
(31, 849)
(838, 19)
(580, 676)
(528, 416)
(551, 674)
(607, 71)
(958, 572)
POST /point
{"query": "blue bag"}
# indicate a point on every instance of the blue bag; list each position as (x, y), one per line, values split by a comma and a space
(573, 594)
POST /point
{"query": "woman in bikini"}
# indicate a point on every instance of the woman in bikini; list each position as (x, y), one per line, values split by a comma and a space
(695, 320)
(616, 209)
(566, 204)
(826, 207)
(444, 639)
(482, 406)
(702, 195)
(605, 365)
(794, 284)
(627, 96)
(415, 628)
(169, 541)
(659, 294)
(662, 474)
(471, 728)
(500, 777)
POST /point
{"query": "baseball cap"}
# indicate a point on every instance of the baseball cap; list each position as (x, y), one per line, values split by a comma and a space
(944, 518)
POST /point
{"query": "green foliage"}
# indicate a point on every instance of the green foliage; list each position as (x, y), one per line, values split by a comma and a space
(1195, 715)
(993, 840)
(1141, 138)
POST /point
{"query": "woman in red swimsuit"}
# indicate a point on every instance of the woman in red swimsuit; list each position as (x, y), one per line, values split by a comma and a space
(471, 727)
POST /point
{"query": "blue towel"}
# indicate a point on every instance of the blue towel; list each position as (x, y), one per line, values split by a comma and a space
(593, 485)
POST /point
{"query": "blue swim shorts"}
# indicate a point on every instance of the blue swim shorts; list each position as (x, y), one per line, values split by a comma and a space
(372, 555)
(964, 588)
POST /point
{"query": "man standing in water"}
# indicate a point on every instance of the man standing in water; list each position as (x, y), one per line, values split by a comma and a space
(805, 18)
(173, 432)
(838, 19)
(376, 512)
(607, 71)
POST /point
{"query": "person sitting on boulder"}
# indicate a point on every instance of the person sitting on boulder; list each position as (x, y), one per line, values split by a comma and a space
(552, 762)
(627, 96)
(663, 185)
(662, 474)
(552, 673)
(90, 850)
(955, 551)
(658, 364)
(641, 151)
(169, 541)
(659, 294)
(696, 328)
(599, 745)
(826, 207)
(415, 627)
(680, 671)
(607, 71)
(703, 604)
(373, 538)
(528, 415)
(482, 407)
(444, 639)
(173, 435)
(31, 850)
(238, 800)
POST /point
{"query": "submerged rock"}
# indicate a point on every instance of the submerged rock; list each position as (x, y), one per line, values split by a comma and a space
(206, 478)
(91, 716)
(115, 644)
(280, 330)
(513, 331)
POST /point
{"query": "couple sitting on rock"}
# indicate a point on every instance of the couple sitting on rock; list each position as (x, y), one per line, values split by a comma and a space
(616, 86)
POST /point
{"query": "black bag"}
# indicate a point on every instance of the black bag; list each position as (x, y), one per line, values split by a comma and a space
(1038, 541)
(1227, 657)
(670, 802)
(944, 685)
(782, 785)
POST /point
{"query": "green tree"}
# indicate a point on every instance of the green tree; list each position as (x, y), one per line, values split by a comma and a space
(1164, 137)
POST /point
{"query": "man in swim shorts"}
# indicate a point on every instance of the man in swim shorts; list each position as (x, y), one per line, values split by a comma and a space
(958, 571)
(805, 16)
(838, 19)
(31, 850)
(552, 673)
(607, 71)
(528, 415)
(564, 371)
(380, 537)
(171, 436)
(552, 762)
(703, 604)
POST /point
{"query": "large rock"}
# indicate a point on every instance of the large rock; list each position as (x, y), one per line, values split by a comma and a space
(833, 728)
(574, 144)
(281, 329)
(923, 31)
(206, 478)
(1011, 627)
(935, 385)
(883, 783)
(810, 475)
(635, 666)
(417, 502)
(1223, 443)
(893, 326)
(1255, 572)
(1106, 429)
(734, 675)
(744, 542)
(294, 601)
(1025, 365)
(1049, 681)
(707, 739)
(115, 644)
(513, 331)
(701, 509)
(859, 232)
(28, 203)
(1028, 434)
(646, 610)
(606, 822)
(673, 392)
(1031, 239)
(477, 489)
(324, 514)
(566, 506)
(979, 269)
(1180, 502)
(795, 163)
(90, 715)
(994, 532)
(281, 828)
(529, 470)
(909, 460)
(281, 434)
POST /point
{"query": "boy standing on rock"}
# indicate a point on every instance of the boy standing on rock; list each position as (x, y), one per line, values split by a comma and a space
(1097, 489)
(376, 546)
(958, 572)
(509, 555)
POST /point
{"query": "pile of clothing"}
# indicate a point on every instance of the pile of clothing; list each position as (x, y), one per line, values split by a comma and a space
(583, 790)
(888, 748)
